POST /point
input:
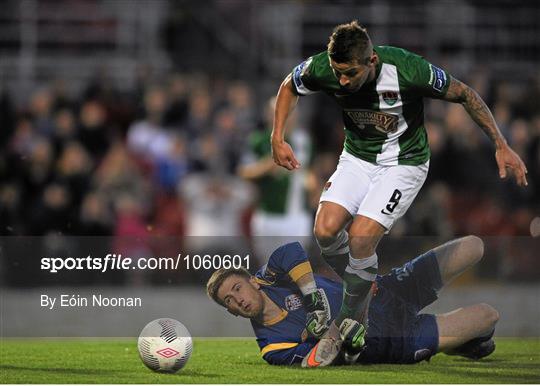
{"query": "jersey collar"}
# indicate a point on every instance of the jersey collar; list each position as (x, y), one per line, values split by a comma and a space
(277, 319)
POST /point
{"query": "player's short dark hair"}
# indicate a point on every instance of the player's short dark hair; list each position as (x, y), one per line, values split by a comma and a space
(217, 279)
(349, 42)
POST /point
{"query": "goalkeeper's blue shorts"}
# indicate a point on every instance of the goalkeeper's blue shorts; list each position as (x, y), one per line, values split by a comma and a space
(397, 332)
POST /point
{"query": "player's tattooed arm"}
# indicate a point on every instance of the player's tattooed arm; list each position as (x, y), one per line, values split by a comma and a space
(459, 92)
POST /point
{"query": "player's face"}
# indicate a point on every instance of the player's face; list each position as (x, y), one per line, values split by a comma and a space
(241, 296)
(353, 75)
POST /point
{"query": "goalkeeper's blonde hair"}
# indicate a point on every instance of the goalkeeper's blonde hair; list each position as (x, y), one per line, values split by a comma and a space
(217, 279)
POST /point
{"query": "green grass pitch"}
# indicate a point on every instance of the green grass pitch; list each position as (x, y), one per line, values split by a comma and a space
(238, 361)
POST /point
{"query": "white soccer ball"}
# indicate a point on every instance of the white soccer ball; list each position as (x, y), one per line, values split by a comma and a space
(165, 345)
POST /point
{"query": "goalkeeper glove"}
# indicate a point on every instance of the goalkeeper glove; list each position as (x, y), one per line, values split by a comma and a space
(353, 334)
(318, 312)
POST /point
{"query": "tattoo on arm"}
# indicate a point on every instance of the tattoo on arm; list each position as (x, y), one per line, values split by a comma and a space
(459, 92)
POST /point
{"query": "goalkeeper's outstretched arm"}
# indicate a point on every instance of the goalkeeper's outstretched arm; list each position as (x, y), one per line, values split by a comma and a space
(291, 260)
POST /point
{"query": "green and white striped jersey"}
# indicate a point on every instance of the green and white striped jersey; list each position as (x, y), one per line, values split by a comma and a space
(384, 120)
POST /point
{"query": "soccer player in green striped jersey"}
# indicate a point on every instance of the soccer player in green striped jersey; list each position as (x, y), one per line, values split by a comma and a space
(282, 206)
(385, 159)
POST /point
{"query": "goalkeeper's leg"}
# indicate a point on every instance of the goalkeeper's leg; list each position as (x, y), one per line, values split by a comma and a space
(467, 331)
(462, 330)
(456, 256)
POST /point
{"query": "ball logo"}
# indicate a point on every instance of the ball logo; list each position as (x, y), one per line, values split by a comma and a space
(165, 345)
(167, 352)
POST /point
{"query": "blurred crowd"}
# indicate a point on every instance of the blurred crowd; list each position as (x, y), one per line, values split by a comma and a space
(108, 163)
(161, 160)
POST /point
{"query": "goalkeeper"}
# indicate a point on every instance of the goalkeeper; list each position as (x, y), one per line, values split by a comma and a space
(290, 307)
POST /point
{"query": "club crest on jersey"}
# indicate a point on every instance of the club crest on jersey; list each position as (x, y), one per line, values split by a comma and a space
(383, 122)
(293, 302)
(390, 97)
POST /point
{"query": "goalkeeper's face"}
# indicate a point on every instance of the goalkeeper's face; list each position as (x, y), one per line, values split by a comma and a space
(241, 296)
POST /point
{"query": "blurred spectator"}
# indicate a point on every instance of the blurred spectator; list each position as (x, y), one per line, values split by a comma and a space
(131, 235)
(93, 130)
(533, 163)
(519, 137)
(73, 170)
(177, 112)
(37, 169)
(95, 217)
(7, 118)
(53, 212)
(10, 214)
(240, 101)
(200, 113)
(169, 218)
(215, 204)
(41, 105)
(147, 138)
(24, 138)
(172, 166)
(430, 214)
(130, 220)
(230, 138)
(65, 129)
(118, 175)
(207, 155)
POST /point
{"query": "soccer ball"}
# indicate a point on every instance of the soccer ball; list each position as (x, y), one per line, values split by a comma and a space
(165, 345)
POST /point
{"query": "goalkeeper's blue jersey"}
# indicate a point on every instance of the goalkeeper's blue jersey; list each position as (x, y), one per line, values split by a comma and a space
(395, 332)
(285, 339)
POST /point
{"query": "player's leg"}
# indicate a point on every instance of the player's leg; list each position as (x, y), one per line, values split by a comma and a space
(357, 280)
(361, 270)
(329, 229)
(339, 201)
(473, 323)
(391, 193)
(456, 256)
